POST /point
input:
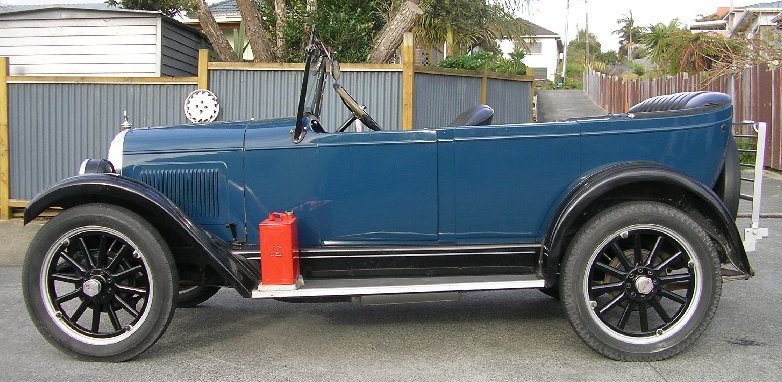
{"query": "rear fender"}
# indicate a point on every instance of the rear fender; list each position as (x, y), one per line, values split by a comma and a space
(157, 209)
(657, 180)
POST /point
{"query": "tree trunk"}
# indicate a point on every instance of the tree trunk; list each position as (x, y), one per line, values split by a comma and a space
(213, 33)
(390, 36)
(259, 39)
(279, 13)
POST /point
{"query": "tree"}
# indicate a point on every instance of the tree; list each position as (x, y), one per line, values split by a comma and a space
(256, 32)
(465, 24)
(216, 37)
(167, 7)
(629, 35)
(657, 39)
(385, 43)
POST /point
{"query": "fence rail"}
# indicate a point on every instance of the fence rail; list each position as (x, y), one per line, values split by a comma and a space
(49, 124)
(756, 92)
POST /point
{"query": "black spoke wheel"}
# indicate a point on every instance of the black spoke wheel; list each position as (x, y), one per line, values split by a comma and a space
(190, 297)
(99, 283)
(641, 281)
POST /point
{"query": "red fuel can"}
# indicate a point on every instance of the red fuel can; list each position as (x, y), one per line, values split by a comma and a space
(279, 250)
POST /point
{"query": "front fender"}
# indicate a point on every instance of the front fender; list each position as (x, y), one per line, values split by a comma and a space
(157, 209)
(659, 181)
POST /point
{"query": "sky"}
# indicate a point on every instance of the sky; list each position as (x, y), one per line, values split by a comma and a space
(603, 14)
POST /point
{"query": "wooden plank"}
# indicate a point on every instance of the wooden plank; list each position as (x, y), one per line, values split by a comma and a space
(84, 69)
(144, 58)
(80, 50)
(408, 77)
(150, 39)
(347, 67)
(73, 22)
(471, 73)
(484, 96)
(203, 69)
(16, 203)
(76, 32)
(5, 177)
(102, 80)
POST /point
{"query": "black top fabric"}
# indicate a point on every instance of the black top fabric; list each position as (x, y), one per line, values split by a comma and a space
(478, 115)
(682, 101)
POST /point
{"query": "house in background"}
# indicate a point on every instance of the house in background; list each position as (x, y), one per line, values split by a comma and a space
(96, 40)
(753, 20)
(713, 23)
(228, 18)
(545, 51)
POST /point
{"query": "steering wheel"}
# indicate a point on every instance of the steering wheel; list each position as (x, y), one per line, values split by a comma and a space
(358, 111)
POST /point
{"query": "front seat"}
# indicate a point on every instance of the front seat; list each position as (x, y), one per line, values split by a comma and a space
(478, 115)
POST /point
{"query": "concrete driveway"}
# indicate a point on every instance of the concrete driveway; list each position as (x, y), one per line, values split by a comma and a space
(488, 336)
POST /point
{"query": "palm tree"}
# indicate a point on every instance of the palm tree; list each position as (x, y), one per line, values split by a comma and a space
(629, 35)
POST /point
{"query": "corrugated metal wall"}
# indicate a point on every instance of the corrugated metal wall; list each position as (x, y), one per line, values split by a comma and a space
(439, 99)
(53, 127)
(262, 94)
(510, 99)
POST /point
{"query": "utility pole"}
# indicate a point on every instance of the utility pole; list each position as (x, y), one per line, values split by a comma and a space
(564, 40)
(586, 32)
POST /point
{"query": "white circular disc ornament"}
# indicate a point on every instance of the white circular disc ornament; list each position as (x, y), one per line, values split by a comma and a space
(201, 106)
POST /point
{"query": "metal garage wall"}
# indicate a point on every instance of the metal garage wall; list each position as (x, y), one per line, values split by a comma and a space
(262, 94)
(54, 126)
(511, 100)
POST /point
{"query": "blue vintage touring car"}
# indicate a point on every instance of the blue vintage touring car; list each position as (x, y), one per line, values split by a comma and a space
(627, 218)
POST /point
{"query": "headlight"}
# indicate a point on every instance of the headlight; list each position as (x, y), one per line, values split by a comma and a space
(115, 150)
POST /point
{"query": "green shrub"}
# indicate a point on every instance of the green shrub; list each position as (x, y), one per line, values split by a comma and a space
(488, 61)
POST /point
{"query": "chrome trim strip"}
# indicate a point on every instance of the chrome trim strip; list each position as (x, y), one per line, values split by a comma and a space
(397, 289)
(412, 251)
(530, 252)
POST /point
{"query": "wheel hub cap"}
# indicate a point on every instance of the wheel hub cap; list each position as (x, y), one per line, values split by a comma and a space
(91, 287)
(644, 285)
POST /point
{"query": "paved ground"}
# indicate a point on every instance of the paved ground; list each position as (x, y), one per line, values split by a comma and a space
(559, 105)
(485, 337)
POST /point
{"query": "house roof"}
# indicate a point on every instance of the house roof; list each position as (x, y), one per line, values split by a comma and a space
(538, 31)
(766, 5)
(7, 9)
(224, 7)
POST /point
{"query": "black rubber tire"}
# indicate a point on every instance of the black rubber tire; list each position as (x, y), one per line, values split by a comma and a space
(152, 249)
(552, 292)
(192, 296)
(575, 268)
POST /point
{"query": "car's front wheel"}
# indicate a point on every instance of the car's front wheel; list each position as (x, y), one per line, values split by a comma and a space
(190, 297)
(641, 281)
(100, 283)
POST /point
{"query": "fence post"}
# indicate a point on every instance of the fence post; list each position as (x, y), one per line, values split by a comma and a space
(408, 74)
(5, 178)
(484, 89)
(203, 68)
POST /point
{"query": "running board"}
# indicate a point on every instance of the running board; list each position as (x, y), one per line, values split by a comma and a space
(366, 287)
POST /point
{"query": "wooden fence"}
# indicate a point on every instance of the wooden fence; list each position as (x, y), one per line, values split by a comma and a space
(756, 92)
(49, 124)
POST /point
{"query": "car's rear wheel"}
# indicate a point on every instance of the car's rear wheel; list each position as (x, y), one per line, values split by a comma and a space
(99, 283)
(192, 296)
(641, 281)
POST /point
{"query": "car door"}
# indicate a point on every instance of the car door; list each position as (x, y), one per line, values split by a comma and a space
(507, 178)
(377, 188)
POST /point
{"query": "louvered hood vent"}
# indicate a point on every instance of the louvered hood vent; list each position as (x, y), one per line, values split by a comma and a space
(195, 191)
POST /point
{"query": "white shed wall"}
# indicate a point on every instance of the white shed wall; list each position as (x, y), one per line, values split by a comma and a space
(76, 43)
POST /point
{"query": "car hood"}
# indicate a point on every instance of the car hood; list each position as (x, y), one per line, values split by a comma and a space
(197, 137)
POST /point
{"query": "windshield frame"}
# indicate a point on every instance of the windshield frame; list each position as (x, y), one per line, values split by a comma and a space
(311, 96)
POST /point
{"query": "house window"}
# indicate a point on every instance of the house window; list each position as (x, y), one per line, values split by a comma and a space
(535, 48)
